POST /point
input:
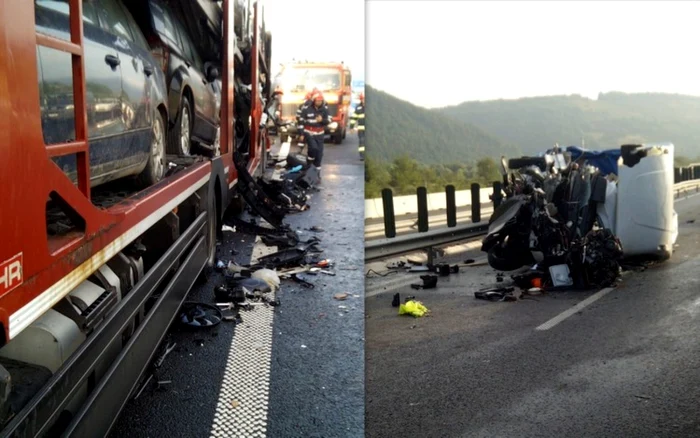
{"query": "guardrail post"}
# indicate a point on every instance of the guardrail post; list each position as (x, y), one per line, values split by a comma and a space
(389, 218)
(676, 175)
(422, 194)
(476, 203)
(497, 196)
(451, 204)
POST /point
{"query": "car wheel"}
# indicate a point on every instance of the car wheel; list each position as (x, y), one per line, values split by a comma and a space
(217, 142)
(155, 167)
(180, 135)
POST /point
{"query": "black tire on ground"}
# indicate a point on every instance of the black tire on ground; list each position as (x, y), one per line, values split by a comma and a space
(338, 137)
(294, 160)
(175, 144)
(344, 133)
(155, 167)
(500, 262)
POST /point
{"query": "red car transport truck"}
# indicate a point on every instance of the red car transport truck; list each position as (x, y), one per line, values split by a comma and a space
(93, 271)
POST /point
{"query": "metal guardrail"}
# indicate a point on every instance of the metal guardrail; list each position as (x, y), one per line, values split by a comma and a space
(427, 239)
(388, 247)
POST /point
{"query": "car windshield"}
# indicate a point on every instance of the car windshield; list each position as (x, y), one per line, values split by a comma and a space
(306, 79)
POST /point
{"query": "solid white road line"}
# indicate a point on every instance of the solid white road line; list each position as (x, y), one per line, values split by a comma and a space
(243, 397)
(577, 308)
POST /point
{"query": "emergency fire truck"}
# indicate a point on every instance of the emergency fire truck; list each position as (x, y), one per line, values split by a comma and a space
(92, 277)
(334, 80)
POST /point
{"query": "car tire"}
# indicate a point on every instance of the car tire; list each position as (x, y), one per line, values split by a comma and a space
(155, 167)
(180, 138)
(294, 160)
(501, 259)
(217, 142)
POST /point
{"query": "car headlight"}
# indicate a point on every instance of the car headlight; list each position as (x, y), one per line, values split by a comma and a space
(333, 125)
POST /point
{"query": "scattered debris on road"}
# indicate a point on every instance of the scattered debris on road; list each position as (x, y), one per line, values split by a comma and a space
(413, 308)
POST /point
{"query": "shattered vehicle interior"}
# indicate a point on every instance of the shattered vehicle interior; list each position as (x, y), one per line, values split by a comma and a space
(576, 224)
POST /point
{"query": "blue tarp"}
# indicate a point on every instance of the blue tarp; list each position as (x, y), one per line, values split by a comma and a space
(606, 160)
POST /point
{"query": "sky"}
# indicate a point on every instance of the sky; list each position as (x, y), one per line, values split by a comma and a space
(323, 30)
(439, 53)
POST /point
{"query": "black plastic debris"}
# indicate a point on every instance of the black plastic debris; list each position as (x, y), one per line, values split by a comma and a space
(199, 315)
(302, 281)
(226, 294)
(429, 282)
(496, 294)
(396, 302)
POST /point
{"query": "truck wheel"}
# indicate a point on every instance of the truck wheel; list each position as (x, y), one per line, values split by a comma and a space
(338, 137)
(180, 135)
(155, 167)
(344, 133)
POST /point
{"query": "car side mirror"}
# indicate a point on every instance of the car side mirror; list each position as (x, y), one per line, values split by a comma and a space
(213, 74)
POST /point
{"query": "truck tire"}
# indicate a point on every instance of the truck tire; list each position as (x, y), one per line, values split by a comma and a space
(338, 137)
(155, 167)
(344, 133)
(180, 138)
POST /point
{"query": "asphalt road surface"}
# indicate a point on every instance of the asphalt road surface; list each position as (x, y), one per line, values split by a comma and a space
(624, 363)
(296, 370)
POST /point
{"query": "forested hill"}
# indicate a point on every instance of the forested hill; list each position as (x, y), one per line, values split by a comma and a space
(608, 122)
(396, 127)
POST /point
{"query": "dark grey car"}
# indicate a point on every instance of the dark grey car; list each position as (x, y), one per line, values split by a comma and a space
(192, 100)
(125, 92)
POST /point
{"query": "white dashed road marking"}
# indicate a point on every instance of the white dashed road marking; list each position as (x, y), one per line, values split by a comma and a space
(577, 308)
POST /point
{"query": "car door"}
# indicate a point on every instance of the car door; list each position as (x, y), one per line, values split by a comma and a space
(102, 78)
(204, 97)
(135, 88)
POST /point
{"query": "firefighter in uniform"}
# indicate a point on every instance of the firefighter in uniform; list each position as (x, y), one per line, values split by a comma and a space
(358, 121)
(314, 119)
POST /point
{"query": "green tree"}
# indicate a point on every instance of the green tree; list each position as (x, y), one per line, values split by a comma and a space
(487, 171)
(376, 178)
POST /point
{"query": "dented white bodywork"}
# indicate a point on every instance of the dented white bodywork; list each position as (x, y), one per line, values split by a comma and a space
(645, 220)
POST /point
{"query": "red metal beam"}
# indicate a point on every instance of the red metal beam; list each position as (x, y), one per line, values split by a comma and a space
(58, 44)
(227, 70)
(256, 110)
(81, 123)
(61, 149)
